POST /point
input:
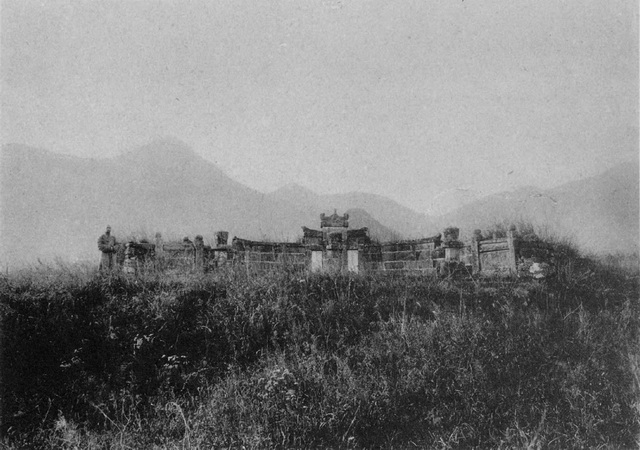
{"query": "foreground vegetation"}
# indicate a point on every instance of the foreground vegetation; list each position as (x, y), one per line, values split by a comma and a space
(332, 361)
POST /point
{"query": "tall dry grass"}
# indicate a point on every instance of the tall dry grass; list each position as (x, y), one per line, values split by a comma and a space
(291, 360)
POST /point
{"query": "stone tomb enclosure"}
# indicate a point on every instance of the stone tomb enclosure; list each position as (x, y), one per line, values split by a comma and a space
(336, 247)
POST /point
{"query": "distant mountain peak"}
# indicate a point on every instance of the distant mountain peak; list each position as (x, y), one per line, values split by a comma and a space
(165, 153)
(296, 188)
(359, 217)
(169, 142)
(165, 148)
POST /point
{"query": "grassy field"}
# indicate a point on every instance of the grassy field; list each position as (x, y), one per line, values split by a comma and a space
(290, 360)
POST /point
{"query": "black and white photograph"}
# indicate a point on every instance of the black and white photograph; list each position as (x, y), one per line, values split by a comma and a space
(331, 224)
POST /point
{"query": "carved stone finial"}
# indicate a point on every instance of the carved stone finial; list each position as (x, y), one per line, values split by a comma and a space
(221, 238)
(334, 220)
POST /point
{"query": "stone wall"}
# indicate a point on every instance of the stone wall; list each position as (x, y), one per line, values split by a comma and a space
(335, 249)
(415, 255)
(265, 256)
(180, 256)
(509, 255)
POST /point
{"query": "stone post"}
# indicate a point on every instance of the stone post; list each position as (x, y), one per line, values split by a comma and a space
(353, 261)
(199, 251)
(344, 251)
(159, 249)
(475, 251)
(129, 265)
(159, 252)
(451, 244)
(221, 251)
(316, 260)
(512, 251)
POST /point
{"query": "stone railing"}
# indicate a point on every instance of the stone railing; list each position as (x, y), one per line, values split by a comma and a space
(512, 254)
(264, 256)
(442, 254)
(175, 255)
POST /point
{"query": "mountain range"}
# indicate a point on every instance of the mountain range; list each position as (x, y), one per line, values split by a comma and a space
(599, 214)
(56, 206)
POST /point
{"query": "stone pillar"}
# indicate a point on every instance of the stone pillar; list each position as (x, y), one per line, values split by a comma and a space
(159, 245)
(452, 254)
(316, 261)
(129, 265)
(199, 251)
(159, 252)
(353, 261)
(475, 251)
(512, 251)
(452, 250)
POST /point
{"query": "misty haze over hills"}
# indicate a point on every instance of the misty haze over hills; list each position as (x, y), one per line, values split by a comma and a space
(57, 206)
(402, 220)
(599, 214)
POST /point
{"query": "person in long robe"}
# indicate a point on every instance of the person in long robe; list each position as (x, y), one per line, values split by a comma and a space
(107, 245)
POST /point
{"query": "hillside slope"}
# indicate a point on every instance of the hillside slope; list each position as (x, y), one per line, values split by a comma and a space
(359, 218)
(600, 214)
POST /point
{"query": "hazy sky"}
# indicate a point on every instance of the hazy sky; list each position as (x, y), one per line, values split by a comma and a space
(422, 101)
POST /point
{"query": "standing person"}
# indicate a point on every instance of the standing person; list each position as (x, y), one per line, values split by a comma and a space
(107, 245)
